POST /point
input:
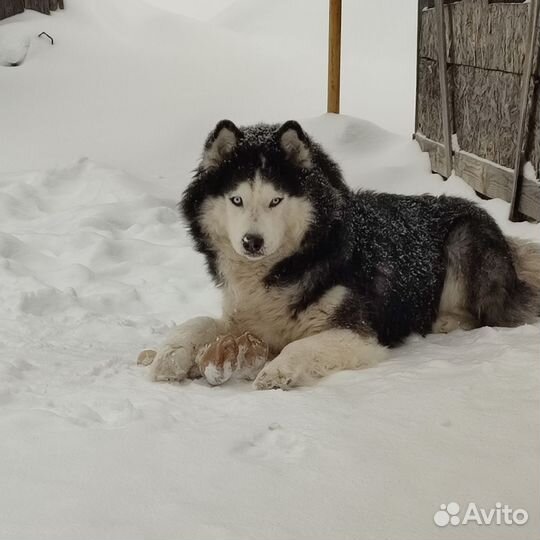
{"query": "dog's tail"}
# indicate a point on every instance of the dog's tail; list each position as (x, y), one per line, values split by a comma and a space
(526, 256)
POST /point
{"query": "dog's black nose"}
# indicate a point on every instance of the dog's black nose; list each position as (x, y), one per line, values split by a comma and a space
(253, 243)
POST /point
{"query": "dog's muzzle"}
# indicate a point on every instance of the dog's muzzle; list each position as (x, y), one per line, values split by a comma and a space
(253, 244)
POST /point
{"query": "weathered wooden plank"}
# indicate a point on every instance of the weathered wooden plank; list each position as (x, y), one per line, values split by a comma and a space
(435, 151)
(490, 36)
(485, 177)
(486, 112)
(427, 44)
(38, 5)
(421, 4)
(527, 88)
(10, 7)
(444, 105)
(429, 121)
(532, 151)
(497, 182)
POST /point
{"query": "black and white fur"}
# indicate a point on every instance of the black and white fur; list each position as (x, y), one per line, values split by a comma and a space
(328, 277)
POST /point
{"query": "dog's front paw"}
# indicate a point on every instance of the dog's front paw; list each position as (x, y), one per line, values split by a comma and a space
(277, 375)
(171, 363)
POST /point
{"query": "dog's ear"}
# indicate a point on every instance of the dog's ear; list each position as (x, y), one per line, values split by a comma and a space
(220, 143)
(295, 144)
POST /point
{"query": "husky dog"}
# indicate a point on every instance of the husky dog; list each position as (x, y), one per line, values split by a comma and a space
(330, 278)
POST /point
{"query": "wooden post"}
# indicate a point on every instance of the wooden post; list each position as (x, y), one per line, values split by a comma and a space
(334, 56)
(418, 37)
(527, 91)
(443, 80)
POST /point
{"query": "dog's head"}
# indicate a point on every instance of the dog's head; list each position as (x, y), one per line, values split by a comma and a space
(259, 190)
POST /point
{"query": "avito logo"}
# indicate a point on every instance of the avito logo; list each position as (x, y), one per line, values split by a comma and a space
(449, 514)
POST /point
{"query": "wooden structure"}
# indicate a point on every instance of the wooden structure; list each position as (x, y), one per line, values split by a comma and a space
(334, 56)
(12, 7)
(477, 101)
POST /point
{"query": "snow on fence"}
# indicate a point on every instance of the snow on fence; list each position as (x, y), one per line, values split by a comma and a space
(478, 110)
(12, 7)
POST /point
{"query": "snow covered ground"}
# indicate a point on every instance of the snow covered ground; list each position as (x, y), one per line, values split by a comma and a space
(98, 135)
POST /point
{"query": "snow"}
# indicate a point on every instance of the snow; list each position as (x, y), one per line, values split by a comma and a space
(455, 143)
(13, 46)
(529, 172)
(98, 136)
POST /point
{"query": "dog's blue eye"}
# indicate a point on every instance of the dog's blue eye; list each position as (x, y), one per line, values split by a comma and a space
(237, 201)
(275, 201)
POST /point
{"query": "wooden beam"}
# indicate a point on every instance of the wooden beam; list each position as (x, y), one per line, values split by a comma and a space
(485, 177)
(418, 38)
(443, 80)
(334, 56)
(524, 107)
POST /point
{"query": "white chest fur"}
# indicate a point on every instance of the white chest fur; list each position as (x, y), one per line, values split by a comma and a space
(248, 305)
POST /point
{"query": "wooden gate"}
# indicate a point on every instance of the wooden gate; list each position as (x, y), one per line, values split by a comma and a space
(477, 106)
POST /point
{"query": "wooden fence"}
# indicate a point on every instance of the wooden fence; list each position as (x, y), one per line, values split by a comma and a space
(12, 7)
(477, 106)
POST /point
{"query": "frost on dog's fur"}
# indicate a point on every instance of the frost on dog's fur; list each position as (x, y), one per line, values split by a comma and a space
(336, 276)
(220, 144)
